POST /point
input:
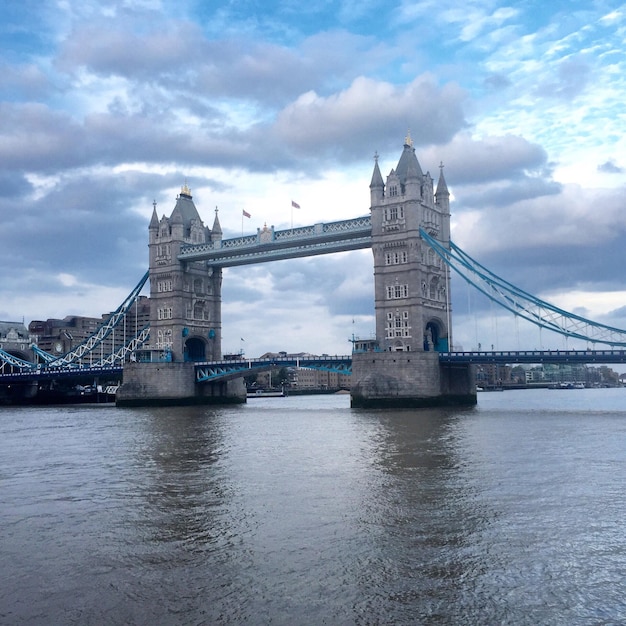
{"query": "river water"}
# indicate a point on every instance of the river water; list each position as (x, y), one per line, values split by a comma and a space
(303, 511)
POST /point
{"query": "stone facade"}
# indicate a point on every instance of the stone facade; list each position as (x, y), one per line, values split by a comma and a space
(185, 317)
(411, 293)
(16, 340)
(163, 384)
(185, 298)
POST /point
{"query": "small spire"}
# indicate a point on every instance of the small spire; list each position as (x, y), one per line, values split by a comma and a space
(154, 220)
(377, 179)
(376, 156)
(407, 140)
(216, 231)
(184, 190)
(442, 187)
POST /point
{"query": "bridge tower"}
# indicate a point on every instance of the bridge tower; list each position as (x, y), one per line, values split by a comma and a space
(185, 316)
(411, 293)
(185, 298)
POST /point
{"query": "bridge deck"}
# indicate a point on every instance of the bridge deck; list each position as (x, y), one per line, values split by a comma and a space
(212, 370)
(271, 245)
(536, 356)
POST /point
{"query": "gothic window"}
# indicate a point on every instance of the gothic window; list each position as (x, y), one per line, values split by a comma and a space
(164, 338)
(398, 325)
(197, 285)
(395, 292)
(396, 258)
(393, 190)
(434, 283)
(198, 310)
(164, 313)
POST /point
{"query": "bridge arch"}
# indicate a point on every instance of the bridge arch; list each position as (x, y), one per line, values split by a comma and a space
(195, 349)
(435, 336)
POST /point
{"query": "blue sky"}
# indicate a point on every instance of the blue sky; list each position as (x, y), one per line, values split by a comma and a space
(107, 106)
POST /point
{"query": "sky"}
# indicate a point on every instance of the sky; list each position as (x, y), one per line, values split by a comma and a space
(107, 107)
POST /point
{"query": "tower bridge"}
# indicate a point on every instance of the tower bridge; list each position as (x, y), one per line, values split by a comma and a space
(411, 299)
(409, 363)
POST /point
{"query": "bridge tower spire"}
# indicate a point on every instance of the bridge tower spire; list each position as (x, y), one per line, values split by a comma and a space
(411, 283)
(185, 297)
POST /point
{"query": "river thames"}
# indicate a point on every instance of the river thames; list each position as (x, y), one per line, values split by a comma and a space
(301, 510)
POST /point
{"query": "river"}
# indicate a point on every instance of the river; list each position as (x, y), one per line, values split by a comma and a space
(301, 510)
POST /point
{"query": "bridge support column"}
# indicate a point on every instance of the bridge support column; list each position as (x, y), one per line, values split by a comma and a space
(409, 380)
(174, 384)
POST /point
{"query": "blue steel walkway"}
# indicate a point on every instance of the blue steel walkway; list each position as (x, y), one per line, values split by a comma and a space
(234, 368)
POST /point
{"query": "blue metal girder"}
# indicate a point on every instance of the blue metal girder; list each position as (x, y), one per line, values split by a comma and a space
(45, 374)
(15, 361)
(224, 370)
(522, 303)
(535, 356)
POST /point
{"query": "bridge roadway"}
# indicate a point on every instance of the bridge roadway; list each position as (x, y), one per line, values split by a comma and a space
(233, 368)
(53, 373)
(555, 357)
(214, 370)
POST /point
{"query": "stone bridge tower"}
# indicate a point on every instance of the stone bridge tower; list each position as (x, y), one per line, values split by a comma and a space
(185, 298)
(185, 317)
(412, 295)
(411, 282)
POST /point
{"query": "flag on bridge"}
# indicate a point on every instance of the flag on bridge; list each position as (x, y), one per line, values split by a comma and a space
(246, 214)
(295, 205)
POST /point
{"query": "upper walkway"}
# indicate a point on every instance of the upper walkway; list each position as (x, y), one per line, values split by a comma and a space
(275, 245)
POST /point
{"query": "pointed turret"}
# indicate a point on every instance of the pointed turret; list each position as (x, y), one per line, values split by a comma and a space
(377, 186)
(442, 195)
(442, 201)
(408, 165)
(216, 232)
(154, 220)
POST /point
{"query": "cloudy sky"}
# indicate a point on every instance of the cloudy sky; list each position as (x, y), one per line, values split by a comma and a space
(106, 107)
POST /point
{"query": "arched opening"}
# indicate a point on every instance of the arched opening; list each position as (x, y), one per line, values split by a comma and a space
(433, 339)
(195, 349)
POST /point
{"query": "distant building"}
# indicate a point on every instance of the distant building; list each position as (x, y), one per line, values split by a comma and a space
(60, 336)
(306, 378)
(16, 340)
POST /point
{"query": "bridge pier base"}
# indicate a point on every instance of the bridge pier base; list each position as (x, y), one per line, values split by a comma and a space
(174, 384)
(409, 380)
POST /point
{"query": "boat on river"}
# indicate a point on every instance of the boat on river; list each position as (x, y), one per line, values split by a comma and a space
(265, 393)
